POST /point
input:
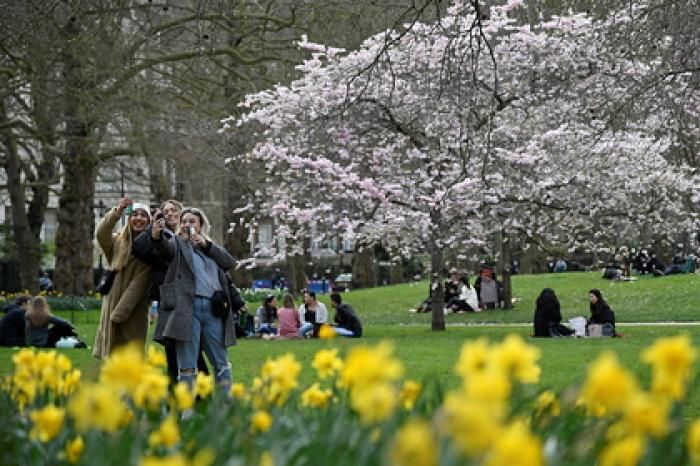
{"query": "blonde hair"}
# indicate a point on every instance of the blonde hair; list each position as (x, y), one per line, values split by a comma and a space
(174, 202)
(203, 220)
(39, 312)
(122, 248)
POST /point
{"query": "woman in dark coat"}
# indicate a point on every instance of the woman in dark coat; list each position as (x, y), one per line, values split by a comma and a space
(194, 283)
(547, 321)
(600, 311)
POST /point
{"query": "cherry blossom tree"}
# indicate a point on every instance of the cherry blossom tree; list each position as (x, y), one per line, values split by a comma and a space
(465, 127)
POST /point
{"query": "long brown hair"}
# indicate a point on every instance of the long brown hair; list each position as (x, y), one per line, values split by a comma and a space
(39, 312)
(288, 301)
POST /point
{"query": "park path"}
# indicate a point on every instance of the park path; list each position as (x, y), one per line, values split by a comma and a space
(529, 324)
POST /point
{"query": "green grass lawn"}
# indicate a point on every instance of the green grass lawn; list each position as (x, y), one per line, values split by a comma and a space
(431, 355)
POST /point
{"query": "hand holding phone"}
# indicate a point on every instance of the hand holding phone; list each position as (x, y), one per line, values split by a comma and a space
(127, 204)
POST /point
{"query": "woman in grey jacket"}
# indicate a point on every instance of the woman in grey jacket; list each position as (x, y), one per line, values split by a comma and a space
(194, 283)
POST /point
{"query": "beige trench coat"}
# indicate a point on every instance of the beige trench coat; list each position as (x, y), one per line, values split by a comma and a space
(124, 315)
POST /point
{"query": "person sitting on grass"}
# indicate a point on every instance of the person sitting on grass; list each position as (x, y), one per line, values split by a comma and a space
(347, 320)
(267, 316)
(601, 314)
(488, 289)
(547, 321)
(312, 315)
(12, 325)
(37, 320)
(288, 319)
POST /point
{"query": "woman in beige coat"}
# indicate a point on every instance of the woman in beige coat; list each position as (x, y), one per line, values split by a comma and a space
(124, 316)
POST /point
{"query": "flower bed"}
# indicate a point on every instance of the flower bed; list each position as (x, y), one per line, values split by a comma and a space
(361, 409)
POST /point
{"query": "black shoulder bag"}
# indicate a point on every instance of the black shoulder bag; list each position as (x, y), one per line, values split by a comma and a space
(106, 281)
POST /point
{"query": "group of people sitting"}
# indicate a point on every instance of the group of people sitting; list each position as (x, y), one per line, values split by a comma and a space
(547, 320)
(29, 322)
(643, 262)
(460, 296)
(289, 322)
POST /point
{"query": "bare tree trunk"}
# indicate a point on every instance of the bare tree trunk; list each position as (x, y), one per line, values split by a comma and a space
(28, 248)
(363, 274)
(504, 265)
(437, 295)
(76, 223)
(295, 273)
(396, 273)
(437, 279)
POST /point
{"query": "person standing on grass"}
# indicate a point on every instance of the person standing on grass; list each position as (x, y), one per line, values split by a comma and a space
(124, 314)
(196, 303)
(144, 249)
(547, 321)
(349, 324)
(312, 315)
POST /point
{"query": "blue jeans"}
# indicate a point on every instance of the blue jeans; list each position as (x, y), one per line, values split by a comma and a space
(343, 332)
(305, 328)
(208, 331)
(267, 328)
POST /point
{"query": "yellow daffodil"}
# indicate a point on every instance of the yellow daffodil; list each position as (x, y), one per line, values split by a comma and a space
(409, 393)
(279, 378)
(173, 460)
(152, 389)
(414, 445)
(167, 435)
(74, 450)
(365, 366)
(693, 441)
(547, 404)
(516, 445)
(315, 397)
(326, 332)
(266, 459)
(99, 407)
(155, 357)
(472, 425)
(646, 414)
(238, 391)
(261, 421)
(473, 358)
(624, 452)
(671, 360)
(124, 368)
(608, 384)
(183, 396)
(48, 422)
(203, 385)
(374, 403)
(517, 360)
(327, 363)
(491, 388)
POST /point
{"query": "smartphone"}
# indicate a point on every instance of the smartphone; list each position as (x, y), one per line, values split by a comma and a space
(129, 209)
(160, 215)
(191, 231)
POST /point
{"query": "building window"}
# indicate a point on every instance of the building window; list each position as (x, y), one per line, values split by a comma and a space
(50, 225)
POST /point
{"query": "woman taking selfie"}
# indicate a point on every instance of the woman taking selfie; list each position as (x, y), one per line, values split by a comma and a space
(194, 297)
(124, 316)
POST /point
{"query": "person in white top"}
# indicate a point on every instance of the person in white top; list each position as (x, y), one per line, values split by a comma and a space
(467, 301)
(311, 315)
